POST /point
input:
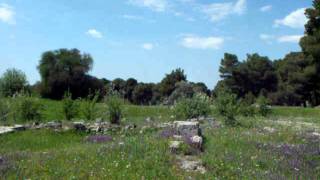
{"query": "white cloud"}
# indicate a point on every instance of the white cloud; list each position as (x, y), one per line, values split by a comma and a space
(147, 46)
(289, 39)
(155, 5)
(7, 14)
(266, 8)
(196, 42)
(94, 33)
(266, 36)
(131, 17)
(240, 6)
(218, 11)
(295, 19)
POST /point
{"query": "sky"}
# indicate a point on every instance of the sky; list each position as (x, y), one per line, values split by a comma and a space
(147, 39)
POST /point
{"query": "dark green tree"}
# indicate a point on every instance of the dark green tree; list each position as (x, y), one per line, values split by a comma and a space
(142, 94)
(310, 45)
(66, 70)
(228, 65)
(131, 83)
(168, 84)
(291, 85)
(119, 86)
(256, 75)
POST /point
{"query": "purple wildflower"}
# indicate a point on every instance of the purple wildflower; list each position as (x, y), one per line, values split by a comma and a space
(99, 139)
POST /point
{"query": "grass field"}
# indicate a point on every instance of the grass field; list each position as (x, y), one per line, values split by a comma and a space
(287, 151)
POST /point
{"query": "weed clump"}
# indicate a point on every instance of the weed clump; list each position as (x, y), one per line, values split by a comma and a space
(227, 105)
(4, 110)
(28, 108)
(264, 108)
(89, 107)
(114, 109)
(69, 107)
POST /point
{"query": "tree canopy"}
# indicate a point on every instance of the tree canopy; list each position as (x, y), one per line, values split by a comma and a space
(66, 70)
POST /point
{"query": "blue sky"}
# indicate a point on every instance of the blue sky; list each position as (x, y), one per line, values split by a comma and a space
(145, 39)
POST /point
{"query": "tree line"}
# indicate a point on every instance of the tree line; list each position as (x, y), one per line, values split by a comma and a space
(67, 70)
(293, 80)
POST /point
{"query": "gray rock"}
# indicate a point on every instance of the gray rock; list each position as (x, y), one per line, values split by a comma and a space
(197, 141)
(144, 129)
(148, 119)
(269, 129)
(192, 165)
(175, 146)
(130, 127)
(165, 125)
(6, 130)
(187, 128)
(52, 125)
(98, 127)
(95, 128)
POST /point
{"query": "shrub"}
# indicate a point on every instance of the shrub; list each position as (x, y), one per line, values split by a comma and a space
(12, 82)
(4, 110)
(264, 106)
(28, 108)
(70, 107)
(89, 108)
(227, 106)
(197, 106)
(114, 109)
(246, 109)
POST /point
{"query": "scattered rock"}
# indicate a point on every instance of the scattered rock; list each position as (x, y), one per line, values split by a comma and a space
(98, 127)
(19, 128)
(269, 129)
(113, 128)
(79, 126)
(148, 119)
(95, 128)
(165, 125)
(52, 125)
(190, 164)
(197, 141)
(6, 130)
(315, 134)
(175, 146)
(130, 127)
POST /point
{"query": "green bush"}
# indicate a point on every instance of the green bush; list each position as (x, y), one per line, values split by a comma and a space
(246, 109)
(195, 107)
(264, 108)
(70, 107)
(4, 110)
(12, 82)
(227, 106)
(114, 109)
(28, 108)
(89, 107)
